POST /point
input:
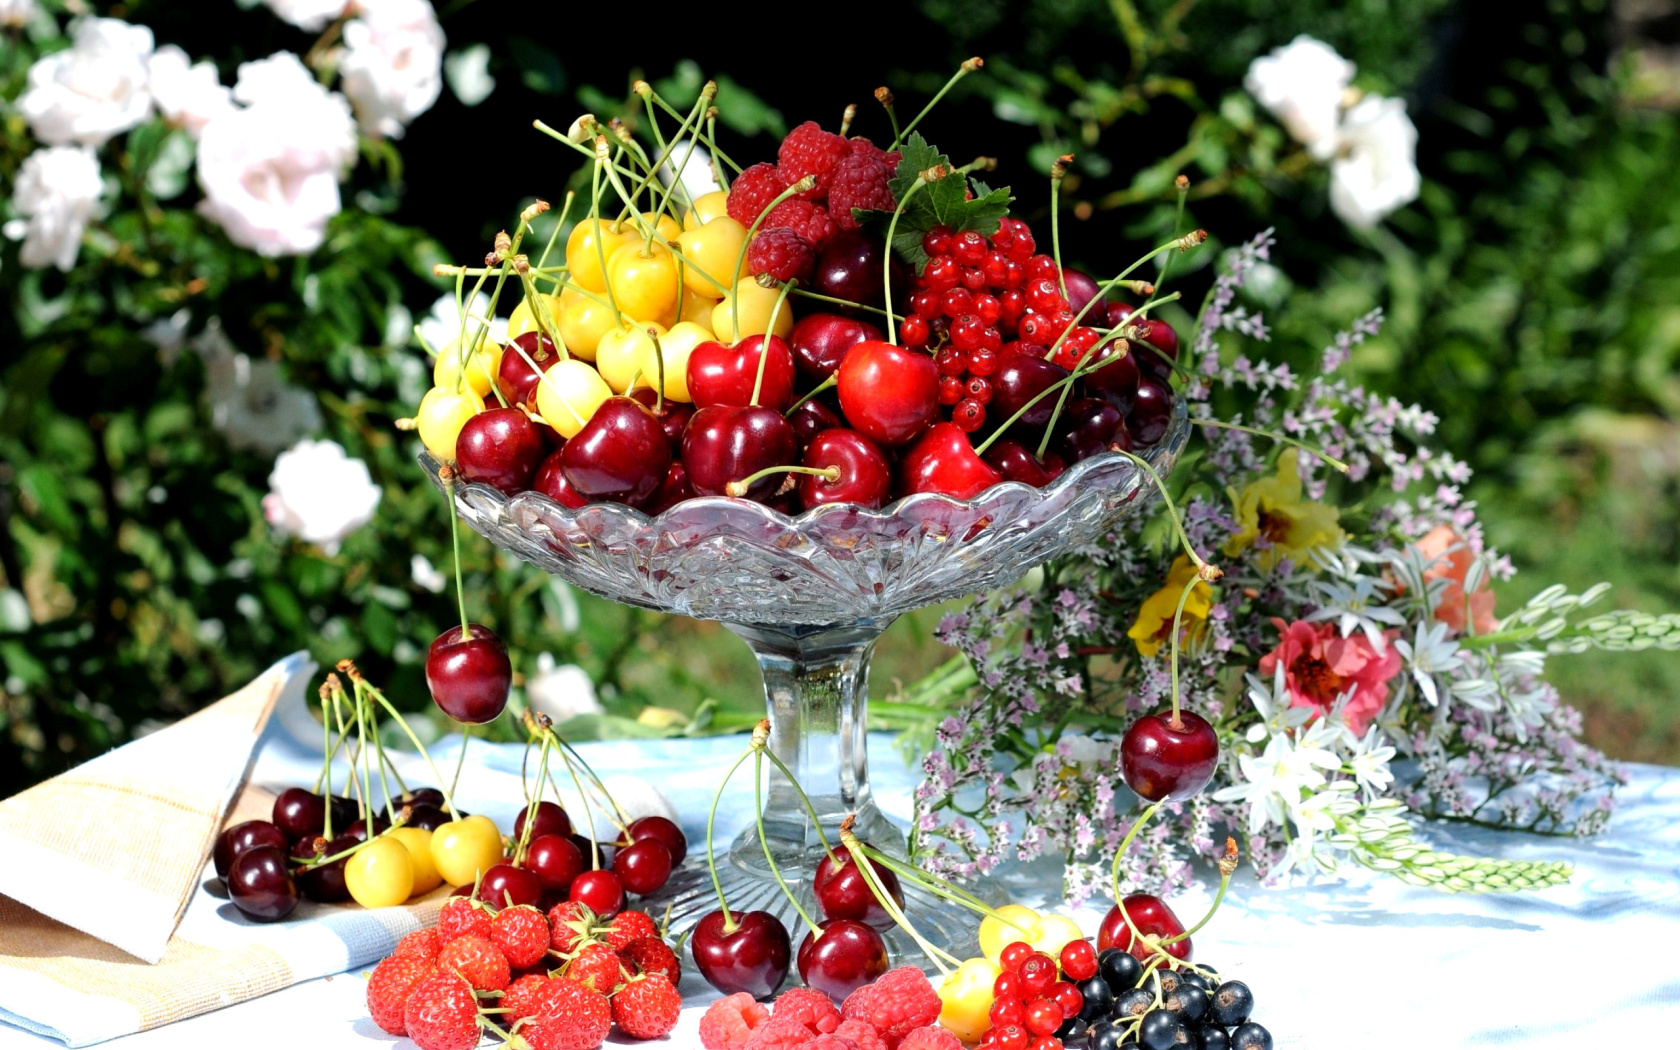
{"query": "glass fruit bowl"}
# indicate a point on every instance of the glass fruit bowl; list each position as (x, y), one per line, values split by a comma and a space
(810, 594)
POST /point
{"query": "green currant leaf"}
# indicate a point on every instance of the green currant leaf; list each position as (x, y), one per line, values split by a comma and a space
(955, 201)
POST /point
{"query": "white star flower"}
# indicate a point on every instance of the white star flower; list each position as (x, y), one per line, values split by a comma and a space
(1430, 653)
(1276, 716)
(1370, 763)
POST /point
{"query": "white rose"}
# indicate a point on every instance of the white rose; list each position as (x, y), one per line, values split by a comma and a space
(319, 494)
(312, 15)
(92, 91)
(1302, 84)
(55, 194)
(188, 96)
(426, 575)
(443, 325)
(1375, 170)
(468, 72)
(694, 161)
(14, 13)
(251, 404)
(270, 171)
(561, 691)
(393, 63)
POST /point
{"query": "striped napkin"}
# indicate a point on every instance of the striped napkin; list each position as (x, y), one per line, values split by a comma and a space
(111, 921)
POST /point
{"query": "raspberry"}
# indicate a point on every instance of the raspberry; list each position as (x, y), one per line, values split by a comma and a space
(460, 916)
(809, 150)
(647, 1007)
(521, 934)
(859, 182)
(568, 1017)
(597, 967)
(441, 1014)
(521, 998)
(830, 1042)
(389, 987)
(862, 1033)
(810, 221)
(569, 925)
(929, 1037)
(782, 254)
(809, 1007)
(752, 191)
(779, 1033)
(476, 959)
(652, 955)
(628, 926)
(421, 944)
(899, 1001)
(728, 1023)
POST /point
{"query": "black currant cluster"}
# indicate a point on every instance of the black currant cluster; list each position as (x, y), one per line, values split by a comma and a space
(1126, 1009)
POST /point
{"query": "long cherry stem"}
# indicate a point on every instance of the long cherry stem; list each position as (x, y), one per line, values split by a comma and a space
(711, 856)
(448, 476)
(968, 66)
(764, 340)
(764, 841)
(804, 799)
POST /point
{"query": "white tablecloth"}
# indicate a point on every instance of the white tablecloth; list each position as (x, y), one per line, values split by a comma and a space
(1369, 963)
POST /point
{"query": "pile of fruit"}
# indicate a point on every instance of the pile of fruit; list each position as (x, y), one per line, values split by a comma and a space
(562, 981)
(762, 341)
(899, 1010)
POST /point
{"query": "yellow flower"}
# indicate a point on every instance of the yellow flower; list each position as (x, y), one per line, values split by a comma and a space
(1153, 628)
(1273, 508)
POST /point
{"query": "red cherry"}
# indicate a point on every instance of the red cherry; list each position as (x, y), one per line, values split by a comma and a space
(643, 867)
(820, 341)
(1091, 425)
(1152, 918)
(842, 892)
(1150, 412)
(620, 455)
(1079, 961)
(865, 476)
(1015, 462)
(1160, 335)
(749, 956)
(844, 957)
(672, 491)
(359, 830)
(323, 883)
(1161, 759)
(663, 831)
(299, 812)
(729, 443)
(1021, 379)
(1117, 313)
(726, 375)
(504, 883)
(1044, 1016)
(551, 482)
(550, 819)
(555, 860)
(811, 419)
(600, 891)
(425, 817)
(673, 416)
(1114, 375)
(944, 461)
(1081, 289)
(469, 677)
(888, 393)
(501, 448)
(597, 856)
(260, 884)
(244, 836)
(850, 268)
(516, 378)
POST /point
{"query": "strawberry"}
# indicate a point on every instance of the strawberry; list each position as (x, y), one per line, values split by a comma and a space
(651, 955)
(647, 1007)
(568, 1016)
(630, 926)
(521, 933)
(597, 967)
(422, 944)
(460, 916)
(522, 996)
(571, 924)
(477, 960)
(389, 987)
(441, 1014)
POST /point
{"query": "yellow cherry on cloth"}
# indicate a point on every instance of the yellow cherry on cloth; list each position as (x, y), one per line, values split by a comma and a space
(380, 874)
(464, 849)
(418, 842)
(965, 996)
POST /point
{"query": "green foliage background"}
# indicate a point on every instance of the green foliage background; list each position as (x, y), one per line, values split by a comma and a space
(1533, 296)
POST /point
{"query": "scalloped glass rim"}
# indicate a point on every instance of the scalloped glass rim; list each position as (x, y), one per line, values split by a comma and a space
(1178, 428)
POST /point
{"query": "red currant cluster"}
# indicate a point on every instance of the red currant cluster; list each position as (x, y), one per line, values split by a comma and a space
(1031, 1000)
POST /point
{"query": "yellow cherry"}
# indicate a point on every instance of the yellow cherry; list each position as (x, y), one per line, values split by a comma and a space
(697, 308)
(523, 320)
(583, 321)
(482, 361)
(442, 414)
(965, 996)
(996, 933)
(568, 394)
(464, 849)
(756, 306)
(380, 874)
(626, 353)
(418, 842)
(1054, 933)
(643, 280)
(676, 345)
(712, 257)
(668, 228)
(707, 207)
(584, 260)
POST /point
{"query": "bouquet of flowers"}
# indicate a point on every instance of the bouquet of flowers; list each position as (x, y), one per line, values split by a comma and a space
(1316, 587)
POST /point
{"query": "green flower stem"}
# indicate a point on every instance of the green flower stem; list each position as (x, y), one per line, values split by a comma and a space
(1283, 438)
(711, 857)
(764, 841)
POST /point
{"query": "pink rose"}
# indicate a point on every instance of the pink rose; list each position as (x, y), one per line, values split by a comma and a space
(1452, 567)
(1320, 665)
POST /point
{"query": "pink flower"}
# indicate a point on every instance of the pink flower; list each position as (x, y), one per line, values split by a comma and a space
(1320, 665)
(1452, 567)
